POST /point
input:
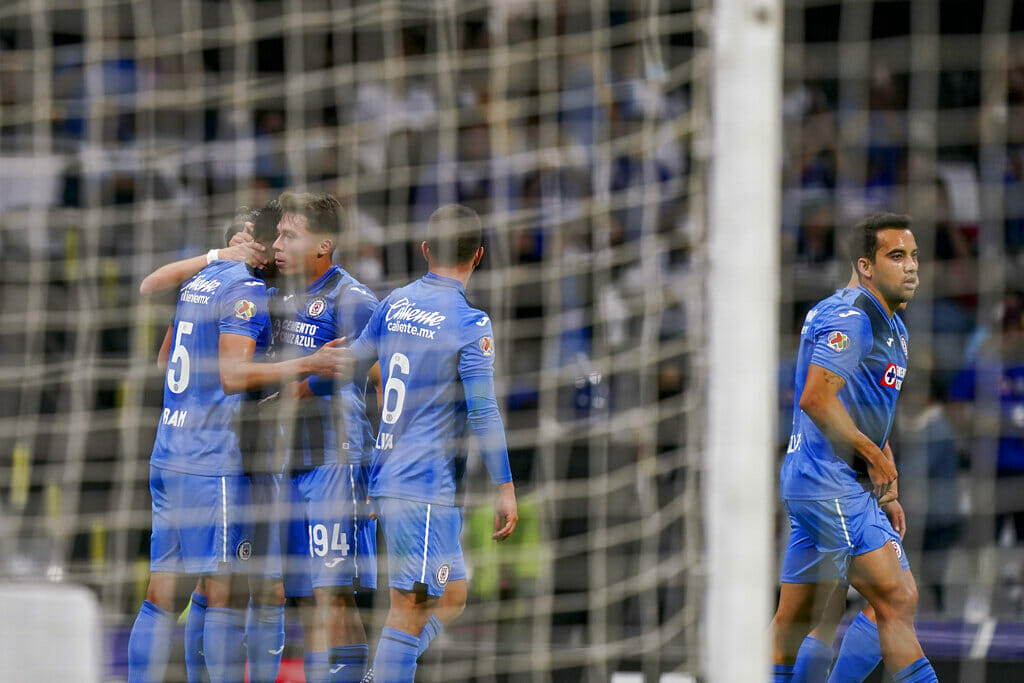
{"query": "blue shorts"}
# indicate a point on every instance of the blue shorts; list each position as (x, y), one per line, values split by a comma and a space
(424, 552)
(200, 524)
(825, 534)
(329, 543)
(267, 514)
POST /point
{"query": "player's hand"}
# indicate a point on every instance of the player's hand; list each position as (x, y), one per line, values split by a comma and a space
(883, 477)
(371, 509)
(243, 237)
(890, 496)
(506, 512)
(898, 519)
(331, 360)
(251, 253)
(297, 390)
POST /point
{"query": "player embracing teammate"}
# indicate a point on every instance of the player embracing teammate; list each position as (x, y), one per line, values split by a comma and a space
(437, 353)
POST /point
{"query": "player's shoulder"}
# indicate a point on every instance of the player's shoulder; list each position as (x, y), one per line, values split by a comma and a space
(236, 273)
(354, 290)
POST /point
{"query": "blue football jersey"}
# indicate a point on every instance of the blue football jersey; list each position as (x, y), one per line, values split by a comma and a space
(198, 430)
(851, 335)
(332, 428)
(428, 338)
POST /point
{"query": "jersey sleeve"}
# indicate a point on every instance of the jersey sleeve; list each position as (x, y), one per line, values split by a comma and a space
(353, 310)
(476, 357)
(841, 341)
(365, 347)
(243, 308)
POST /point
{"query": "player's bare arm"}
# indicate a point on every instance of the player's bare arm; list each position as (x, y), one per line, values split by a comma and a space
(239, 373)
(893, 493)
(820, 401)
(172, 275)
(164, 353)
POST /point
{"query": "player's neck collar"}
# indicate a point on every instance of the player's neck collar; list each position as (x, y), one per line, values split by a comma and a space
(442, 280)
(877, 302)
(316, 284)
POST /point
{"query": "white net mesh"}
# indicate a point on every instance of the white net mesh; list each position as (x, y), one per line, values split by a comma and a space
(130, 131)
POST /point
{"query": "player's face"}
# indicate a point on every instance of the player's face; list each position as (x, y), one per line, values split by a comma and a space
(894, 271)
(296, 248)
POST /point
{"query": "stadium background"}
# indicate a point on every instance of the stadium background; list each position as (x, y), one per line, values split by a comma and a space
(129, 132)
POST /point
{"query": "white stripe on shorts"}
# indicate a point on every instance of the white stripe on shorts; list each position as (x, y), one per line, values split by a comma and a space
(426, 535)
(355, 517)
(224, 518)
(842, 520)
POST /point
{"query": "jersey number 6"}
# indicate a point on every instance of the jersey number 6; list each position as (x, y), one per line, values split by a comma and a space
(396, 386)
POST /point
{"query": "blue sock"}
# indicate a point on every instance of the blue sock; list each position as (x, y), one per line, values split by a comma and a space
(316, 667)
(195, 662)
(920, 671)
(395, 659)
(859, 654)
(149, 644)
(348, 662)
(264, 636)
(812, 661)
(429, 632)
(223, 644)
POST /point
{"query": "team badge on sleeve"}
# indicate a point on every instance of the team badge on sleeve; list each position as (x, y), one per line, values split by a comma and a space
(903, 343)
(442, 574)
(316, 307)
(838, 341)
(245, 309)
(487, 346)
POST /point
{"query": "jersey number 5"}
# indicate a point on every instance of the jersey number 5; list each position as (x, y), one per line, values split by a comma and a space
(395, 386)
(179, 355)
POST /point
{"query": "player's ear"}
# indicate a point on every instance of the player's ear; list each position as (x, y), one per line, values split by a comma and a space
(864, 267)
(478, 256)
(326, 247)
(425, 249)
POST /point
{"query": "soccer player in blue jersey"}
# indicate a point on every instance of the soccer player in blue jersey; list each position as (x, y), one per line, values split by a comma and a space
(331, 548)
(860, 652)
(264, 633)
(437, 353)
(850, 369)
(199, 491)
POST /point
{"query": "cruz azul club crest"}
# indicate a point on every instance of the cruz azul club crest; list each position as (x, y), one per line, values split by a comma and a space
(316, 307)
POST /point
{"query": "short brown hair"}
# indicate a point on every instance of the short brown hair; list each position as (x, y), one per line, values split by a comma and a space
(324, 212)
(454, 233)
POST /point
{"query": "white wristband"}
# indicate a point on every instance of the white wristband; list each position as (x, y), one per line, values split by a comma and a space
(211, 256)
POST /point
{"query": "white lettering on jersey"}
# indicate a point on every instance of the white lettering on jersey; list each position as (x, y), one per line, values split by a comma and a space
(482, 321)
(404, 310)
(849, 313)
(412, 329)
(385, 441)
(202, 285)
(888, 341)
(176, 419)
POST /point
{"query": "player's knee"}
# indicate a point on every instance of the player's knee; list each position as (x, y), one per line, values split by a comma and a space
(453, 602)
(270, 593)
(898, 604)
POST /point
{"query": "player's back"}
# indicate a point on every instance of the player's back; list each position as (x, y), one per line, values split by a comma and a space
(429, 338)
(197, 433)
(851, 335)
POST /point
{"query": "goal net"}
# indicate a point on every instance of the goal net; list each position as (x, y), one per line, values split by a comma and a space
(579, 130)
